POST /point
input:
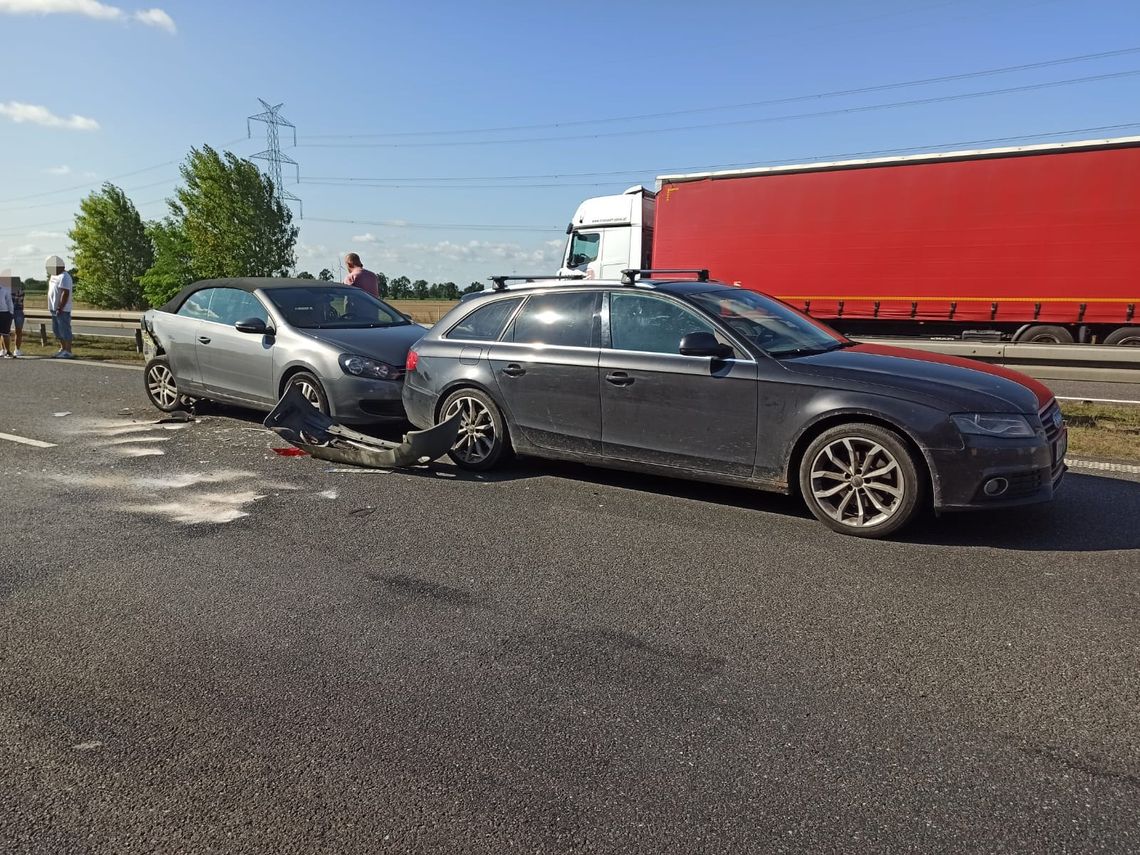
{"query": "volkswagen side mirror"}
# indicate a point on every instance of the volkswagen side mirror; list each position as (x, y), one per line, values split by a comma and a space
(254, 326)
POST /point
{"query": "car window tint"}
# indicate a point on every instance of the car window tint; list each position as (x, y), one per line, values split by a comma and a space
(651, 324)
(561, 320)
(229, 305)
(485, 323)
(197, 305)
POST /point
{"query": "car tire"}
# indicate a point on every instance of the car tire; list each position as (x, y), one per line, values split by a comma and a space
(1045, 334)
(162, 386)
(862, 480)
(483, 442)
(311, 388)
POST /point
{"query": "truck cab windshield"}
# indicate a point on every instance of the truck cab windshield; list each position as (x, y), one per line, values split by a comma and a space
(584, 249)
(774, 327)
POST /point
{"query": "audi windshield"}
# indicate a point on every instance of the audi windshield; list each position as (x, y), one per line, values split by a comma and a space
(775, 328)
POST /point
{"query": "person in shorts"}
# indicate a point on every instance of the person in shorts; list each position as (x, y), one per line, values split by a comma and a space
(6, 311)
(60, 287)
(17, 313)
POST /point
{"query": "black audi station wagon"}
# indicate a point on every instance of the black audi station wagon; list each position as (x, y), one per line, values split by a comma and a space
(692, 378)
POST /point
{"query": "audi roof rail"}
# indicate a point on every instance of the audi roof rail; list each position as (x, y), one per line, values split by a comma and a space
(500, 282)
(628, 276)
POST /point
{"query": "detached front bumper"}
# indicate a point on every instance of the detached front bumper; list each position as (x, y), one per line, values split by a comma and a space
(994, 473)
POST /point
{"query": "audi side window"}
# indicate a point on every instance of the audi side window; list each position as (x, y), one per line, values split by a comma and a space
(559, 320)
(485, 323)
(651, 324)
(197, 305)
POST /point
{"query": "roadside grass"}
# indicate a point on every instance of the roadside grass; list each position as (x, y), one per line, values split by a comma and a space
(97, 348)
(1103, 431)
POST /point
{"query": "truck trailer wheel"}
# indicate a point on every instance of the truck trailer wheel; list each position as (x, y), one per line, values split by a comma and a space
(1127, 336)
(1044, 334)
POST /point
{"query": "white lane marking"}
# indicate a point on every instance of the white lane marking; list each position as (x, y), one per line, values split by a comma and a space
(23, 440)
(1097, 400)
(1103, 466)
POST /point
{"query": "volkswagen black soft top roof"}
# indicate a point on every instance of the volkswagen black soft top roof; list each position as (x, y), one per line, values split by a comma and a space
(246, 283)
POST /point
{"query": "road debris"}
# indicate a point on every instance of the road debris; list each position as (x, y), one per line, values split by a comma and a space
(301, 424)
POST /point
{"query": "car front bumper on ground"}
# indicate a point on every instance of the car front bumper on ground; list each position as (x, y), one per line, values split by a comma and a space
(359, 400)
(1016, 474)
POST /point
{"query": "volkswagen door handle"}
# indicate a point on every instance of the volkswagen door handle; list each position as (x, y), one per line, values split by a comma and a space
(205, 339)
(514, 370)
(619, 378)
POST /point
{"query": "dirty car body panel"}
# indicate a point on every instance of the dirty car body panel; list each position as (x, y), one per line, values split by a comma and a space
(746, 418)
(310, 326)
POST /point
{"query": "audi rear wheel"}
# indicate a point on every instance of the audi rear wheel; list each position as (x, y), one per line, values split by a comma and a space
(482, 442)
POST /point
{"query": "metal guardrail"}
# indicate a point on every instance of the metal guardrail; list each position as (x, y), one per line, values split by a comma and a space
(1089, 363)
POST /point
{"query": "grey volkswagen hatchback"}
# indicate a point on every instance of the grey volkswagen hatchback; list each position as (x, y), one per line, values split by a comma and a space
(245, 341)
(700, 380)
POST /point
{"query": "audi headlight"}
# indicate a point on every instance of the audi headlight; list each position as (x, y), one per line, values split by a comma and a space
(373, 369)
(989, 424)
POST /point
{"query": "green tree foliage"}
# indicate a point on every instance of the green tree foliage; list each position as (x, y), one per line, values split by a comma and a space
(473, 287)
(112, 250)
(400, 288)
(173, 268)
(304, 274)
(382, 285)
(419, 289)
(325, 275)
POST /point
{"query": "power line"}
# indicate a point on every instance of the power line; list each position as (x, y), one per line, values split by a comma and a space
(102, 181)
(401, 224)
(69, 201)
(940, 99)
(838, 93)
(334, 180)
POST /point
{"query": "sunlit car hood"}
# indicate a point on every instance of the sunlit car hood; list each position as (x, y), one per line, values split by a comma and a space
(388, 344)
(950, 382)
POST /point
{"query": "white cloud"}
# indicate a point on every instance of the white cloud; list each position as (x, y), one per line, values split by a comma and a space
(89, 9)
(367, 237)
(26, 250)
(62, 169)
(41, 235)
(156, 18)
(36, 114)
(308, 250)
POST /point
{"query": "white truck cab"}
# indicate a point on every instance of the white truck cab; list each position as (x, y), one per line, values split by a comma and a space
(610, 234)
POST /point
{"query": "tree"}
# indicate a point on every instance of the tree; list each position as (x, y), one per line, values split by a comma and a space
(325, 275)
(173, 269)
(382, 285)
(112, 249)
(473, 287)
(448, 291)
(400, 288)
(419, 289)
(304, 274)
(234, 223)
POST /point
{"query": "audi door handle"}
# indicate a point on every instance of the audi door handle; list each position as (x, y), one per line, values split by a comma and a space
(514, 370)
(619, 378)
(205, 339)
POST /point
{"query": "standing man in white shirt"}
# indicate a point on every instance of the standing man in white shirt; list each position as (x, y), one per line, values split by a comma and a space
(59, 304)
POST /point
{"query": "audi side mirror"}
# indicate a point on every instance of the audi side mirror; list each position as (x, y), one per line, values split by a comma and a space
(704, 344)
(254, 326)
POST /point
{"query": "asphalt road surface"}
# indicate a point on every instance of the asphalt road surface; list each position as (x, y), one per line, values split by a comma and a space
(207, 647)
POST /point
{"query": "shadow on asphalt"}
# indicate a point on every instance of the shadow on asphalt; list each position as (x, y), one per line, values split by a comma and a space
(1092, 513)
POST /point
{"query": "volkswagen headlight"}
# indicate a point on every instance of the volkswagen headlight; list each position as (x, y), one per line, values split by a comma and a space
(373, 369)
(993, 424)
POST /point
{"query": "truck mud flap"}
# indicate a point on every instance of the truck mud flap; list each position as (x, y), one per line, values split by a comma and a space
(301, 424)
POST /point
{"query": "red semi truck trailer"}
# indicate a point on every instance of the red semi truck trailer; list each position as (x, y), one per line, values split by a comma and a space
(1035, 243)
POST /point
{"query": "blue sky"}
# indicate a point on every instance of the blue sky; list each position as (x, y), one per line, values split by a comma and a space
(353, 76)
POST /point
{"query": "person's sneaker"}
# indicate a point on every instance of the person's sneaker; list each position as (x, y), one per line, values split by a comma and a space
(5, 354)
(19, 353)
(66, 354)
